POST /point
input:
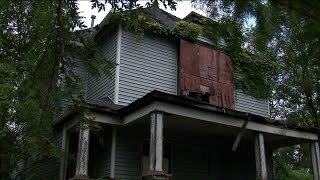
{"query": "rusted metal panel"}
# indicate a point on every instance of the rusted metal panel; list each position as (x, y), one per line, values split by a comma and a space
(225, 72)
(190, 56)
(207, 71)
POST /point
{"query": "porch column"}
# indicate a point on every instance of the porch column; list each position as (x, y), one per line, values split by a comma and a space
(83, 153)
(315, 157)
(261, 165)
(113, 152)
(156, 143)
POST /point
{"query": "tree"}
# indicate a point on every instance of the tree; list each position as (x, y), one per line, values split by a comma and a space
(35, 51)
(286, 32)
(38, 40)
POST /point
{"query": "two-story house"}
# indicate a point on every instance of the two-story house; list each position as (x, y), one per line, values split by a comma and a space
(170, 111)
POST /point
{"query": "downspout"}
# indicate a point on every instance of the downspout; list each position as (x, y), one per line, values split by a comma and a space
(117, 73)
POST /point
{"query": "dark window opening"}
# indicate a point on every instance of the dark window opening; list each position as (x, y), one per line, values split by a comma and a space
(73, 139)
(199, 96)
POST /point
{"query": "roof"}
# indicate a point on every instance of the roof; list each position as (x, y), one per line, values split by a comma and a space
(195, 18)
(121, 111)
(166, 19)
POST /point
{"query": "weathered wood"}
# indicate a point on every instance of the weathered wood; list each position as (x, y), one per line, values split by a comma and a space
(83, 152)
(261, 166)
(240, 134)
(105, 118)
(64, 150)
(315, 157)
(113, 152)
(159, 141)
(156, 141)
(152, 148)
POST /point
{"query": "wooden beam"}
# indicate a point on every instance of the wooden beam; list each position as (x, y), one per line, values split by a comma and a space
(159, 141)
(260, 156)
(240, 134)
(156, 142)
(152, 148)
(105, 118)
(83, 152)
(315, 155)
(64, 150)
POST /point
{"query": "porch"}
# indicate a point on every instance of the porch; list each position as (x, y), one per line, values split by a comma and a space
(174, 138)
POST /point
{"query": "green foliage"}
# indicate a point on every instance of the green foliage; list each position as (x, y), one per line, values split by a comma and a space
(286, 172)
(185, 30)
(286, 34)
(36, 73)
(250, 71)
(137, 21)
(39, 49)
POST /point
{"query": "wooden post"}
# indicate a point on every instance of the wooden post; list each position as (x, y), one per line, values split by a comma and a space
(113, 152)
(315, 155)
(261, 166)
(64, 150)
(83, 153)
(156, 142)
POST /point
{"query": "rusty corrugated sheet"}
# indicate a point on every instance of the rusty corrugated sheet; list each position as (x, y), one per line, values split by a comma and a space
(205, 70)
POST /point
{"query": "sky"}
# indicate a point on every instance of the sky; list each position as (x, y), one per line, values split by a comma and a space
(183, 9)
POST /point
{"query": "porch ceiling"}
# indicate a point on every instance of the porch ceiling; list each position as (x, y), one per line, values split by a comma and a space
(178, 123)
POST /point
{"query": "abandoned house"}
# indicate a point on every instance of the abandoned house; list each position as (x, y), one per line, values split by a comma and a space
(170, 111)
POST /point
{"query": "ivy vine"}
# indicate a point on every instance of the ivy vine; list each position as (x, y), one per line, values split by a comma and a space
(250, 72)
(185, 30)
(139, 22)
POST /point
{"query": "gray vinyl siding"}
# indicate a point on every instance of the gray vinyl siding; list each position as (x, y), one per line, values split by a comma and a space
(146, 65)
(247, 103)
(128, 154)
(103, 86)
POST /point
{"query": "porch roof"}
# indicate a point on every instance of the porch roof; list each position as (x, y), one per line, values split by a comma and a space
(110, 113)
(155, 95)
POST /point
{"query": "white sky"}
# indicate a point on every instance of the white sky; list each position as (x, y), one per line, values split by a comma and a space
(183, 9)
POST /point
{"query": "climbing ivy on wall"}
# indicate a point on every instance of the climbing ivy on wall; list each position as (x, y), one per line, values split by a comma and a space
(185, 30)
(250, 73)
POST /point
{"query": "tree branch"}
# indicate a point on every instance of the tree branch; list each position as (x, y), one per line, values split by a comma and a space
(306, 13)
